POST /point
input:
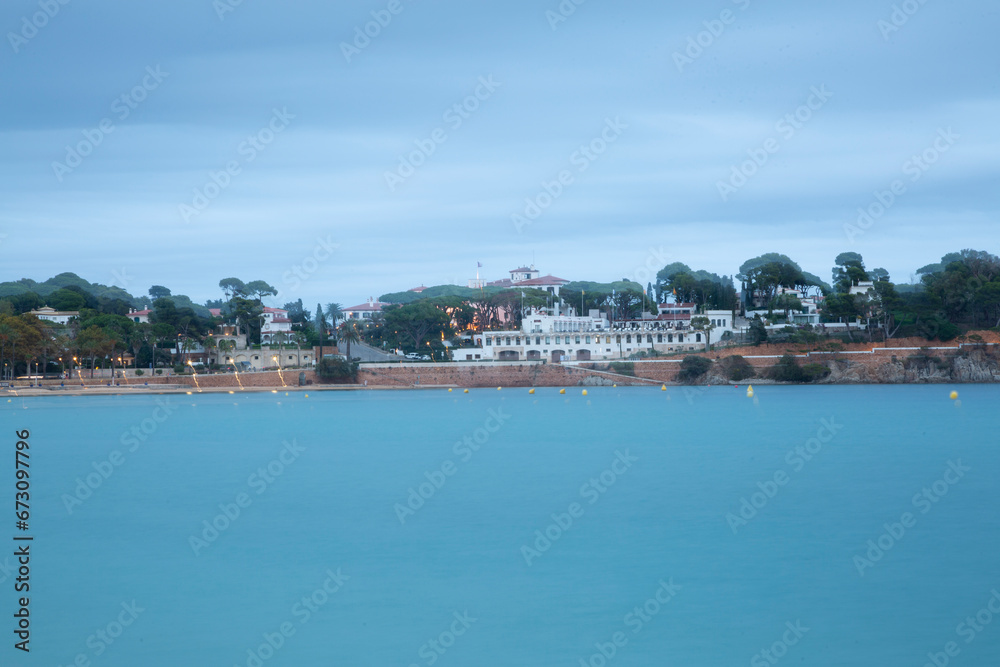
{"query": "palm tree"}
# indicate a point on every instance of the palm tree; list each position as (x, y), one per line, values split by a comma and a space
(210, 347)
(334, 312)
(226, 346)
(348, 333)
(299, 338)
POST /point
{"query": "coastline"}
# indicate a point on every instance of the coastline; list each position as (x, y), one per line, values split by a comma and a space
(905, 361)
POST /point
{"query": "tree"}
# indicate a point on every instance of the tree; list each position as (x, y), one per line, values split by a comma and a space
(92, 342)
(231, 288)
(67, 299)
(758, 332)
(849, 271)
(335, 312)
(988, 298)
(260, 289)
(702, 323)
(320, 324)
(334, 369)
(226, 346)
(415, 322)
(787, 303)
(158, 292)
(297, 313)
(347, 332)
(692, 368)
(210, 347)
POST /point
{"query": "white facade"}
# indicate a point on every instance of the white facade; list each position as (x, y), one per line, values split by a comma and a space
(53, 315)
(140, 316)
(524, 273)
(364, 311)
(275, 321)
(558, 338)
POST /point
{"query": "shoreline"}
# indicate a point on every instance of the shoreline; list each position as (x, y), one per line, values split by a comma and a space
(35, 392)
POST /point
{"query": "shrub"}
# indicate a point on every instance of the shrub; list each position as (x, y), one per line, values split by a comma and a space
(334, 369)
(179, 368)
(623, 368)
(159, 371)
(693, 368)
(786, 370)
(812, 372)
(138, 371)
(736, 368)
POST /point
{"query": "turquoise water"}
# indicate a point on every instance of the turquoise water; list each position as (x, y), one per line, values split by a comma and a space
(464, 579)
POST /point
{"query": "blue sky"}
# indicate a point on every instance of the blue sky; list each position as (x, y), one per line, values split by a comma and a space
(643, 123)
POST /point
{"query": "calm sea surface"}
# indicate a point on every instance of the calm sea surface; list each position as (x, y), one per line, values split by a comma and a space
(631, 527)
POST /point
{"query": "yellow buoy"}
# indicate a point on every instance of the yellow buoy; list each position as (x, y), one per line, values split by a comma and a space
(499, 388)
(307, 395)
(531, 391)
(663, 388)
(466, 391)
(954, 395)
(562, 391)
(750, 391)
(584, 392)
(614, 385)
(449, 390)
(274, 391)
(189, 393)
(231, 391)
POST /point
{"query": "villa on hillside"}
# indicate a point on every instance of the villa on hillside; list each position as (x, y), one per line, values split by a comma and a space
(551, 335)
(52, 315)
(365, 311)
(275, 326)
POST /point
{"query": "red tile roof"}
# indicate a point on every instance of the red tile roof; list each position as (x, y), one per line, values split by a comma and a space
(378, 305)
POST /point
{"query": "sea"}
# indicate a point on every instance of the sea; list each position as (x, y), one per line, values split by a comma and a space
(639, 526)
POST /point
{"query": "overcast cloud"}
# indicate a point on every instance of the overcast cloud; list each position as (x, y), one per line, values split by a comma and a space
(308, 135)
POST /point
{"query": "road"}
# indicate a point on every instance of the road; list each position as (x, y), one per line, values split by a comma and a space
(368, 353)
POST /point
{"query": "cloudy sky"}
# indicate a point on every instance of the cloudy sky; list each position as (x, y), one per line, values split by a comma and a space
(184, 142)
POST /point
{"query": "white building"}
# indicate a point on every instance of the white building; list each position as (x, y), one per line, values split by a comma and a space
(557, 337)
(524, 273)
(275, 321)
(140, 316)
(364, 311)
(862, 287)
(53, 315)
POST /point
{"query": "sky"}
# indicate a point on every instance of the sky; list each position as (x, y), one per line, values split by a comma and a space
(346, 150)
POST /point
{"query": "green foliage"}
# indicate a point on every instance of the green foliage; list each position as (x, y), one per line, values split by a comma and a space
(622, 368)
(693, 368)
(758, 332)
(705, 289)
(814, 371)
(786, 370)
(158, 292)
(416, 324)
(139, 371)
(736, 368)
(437, 291)
(335, 369)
